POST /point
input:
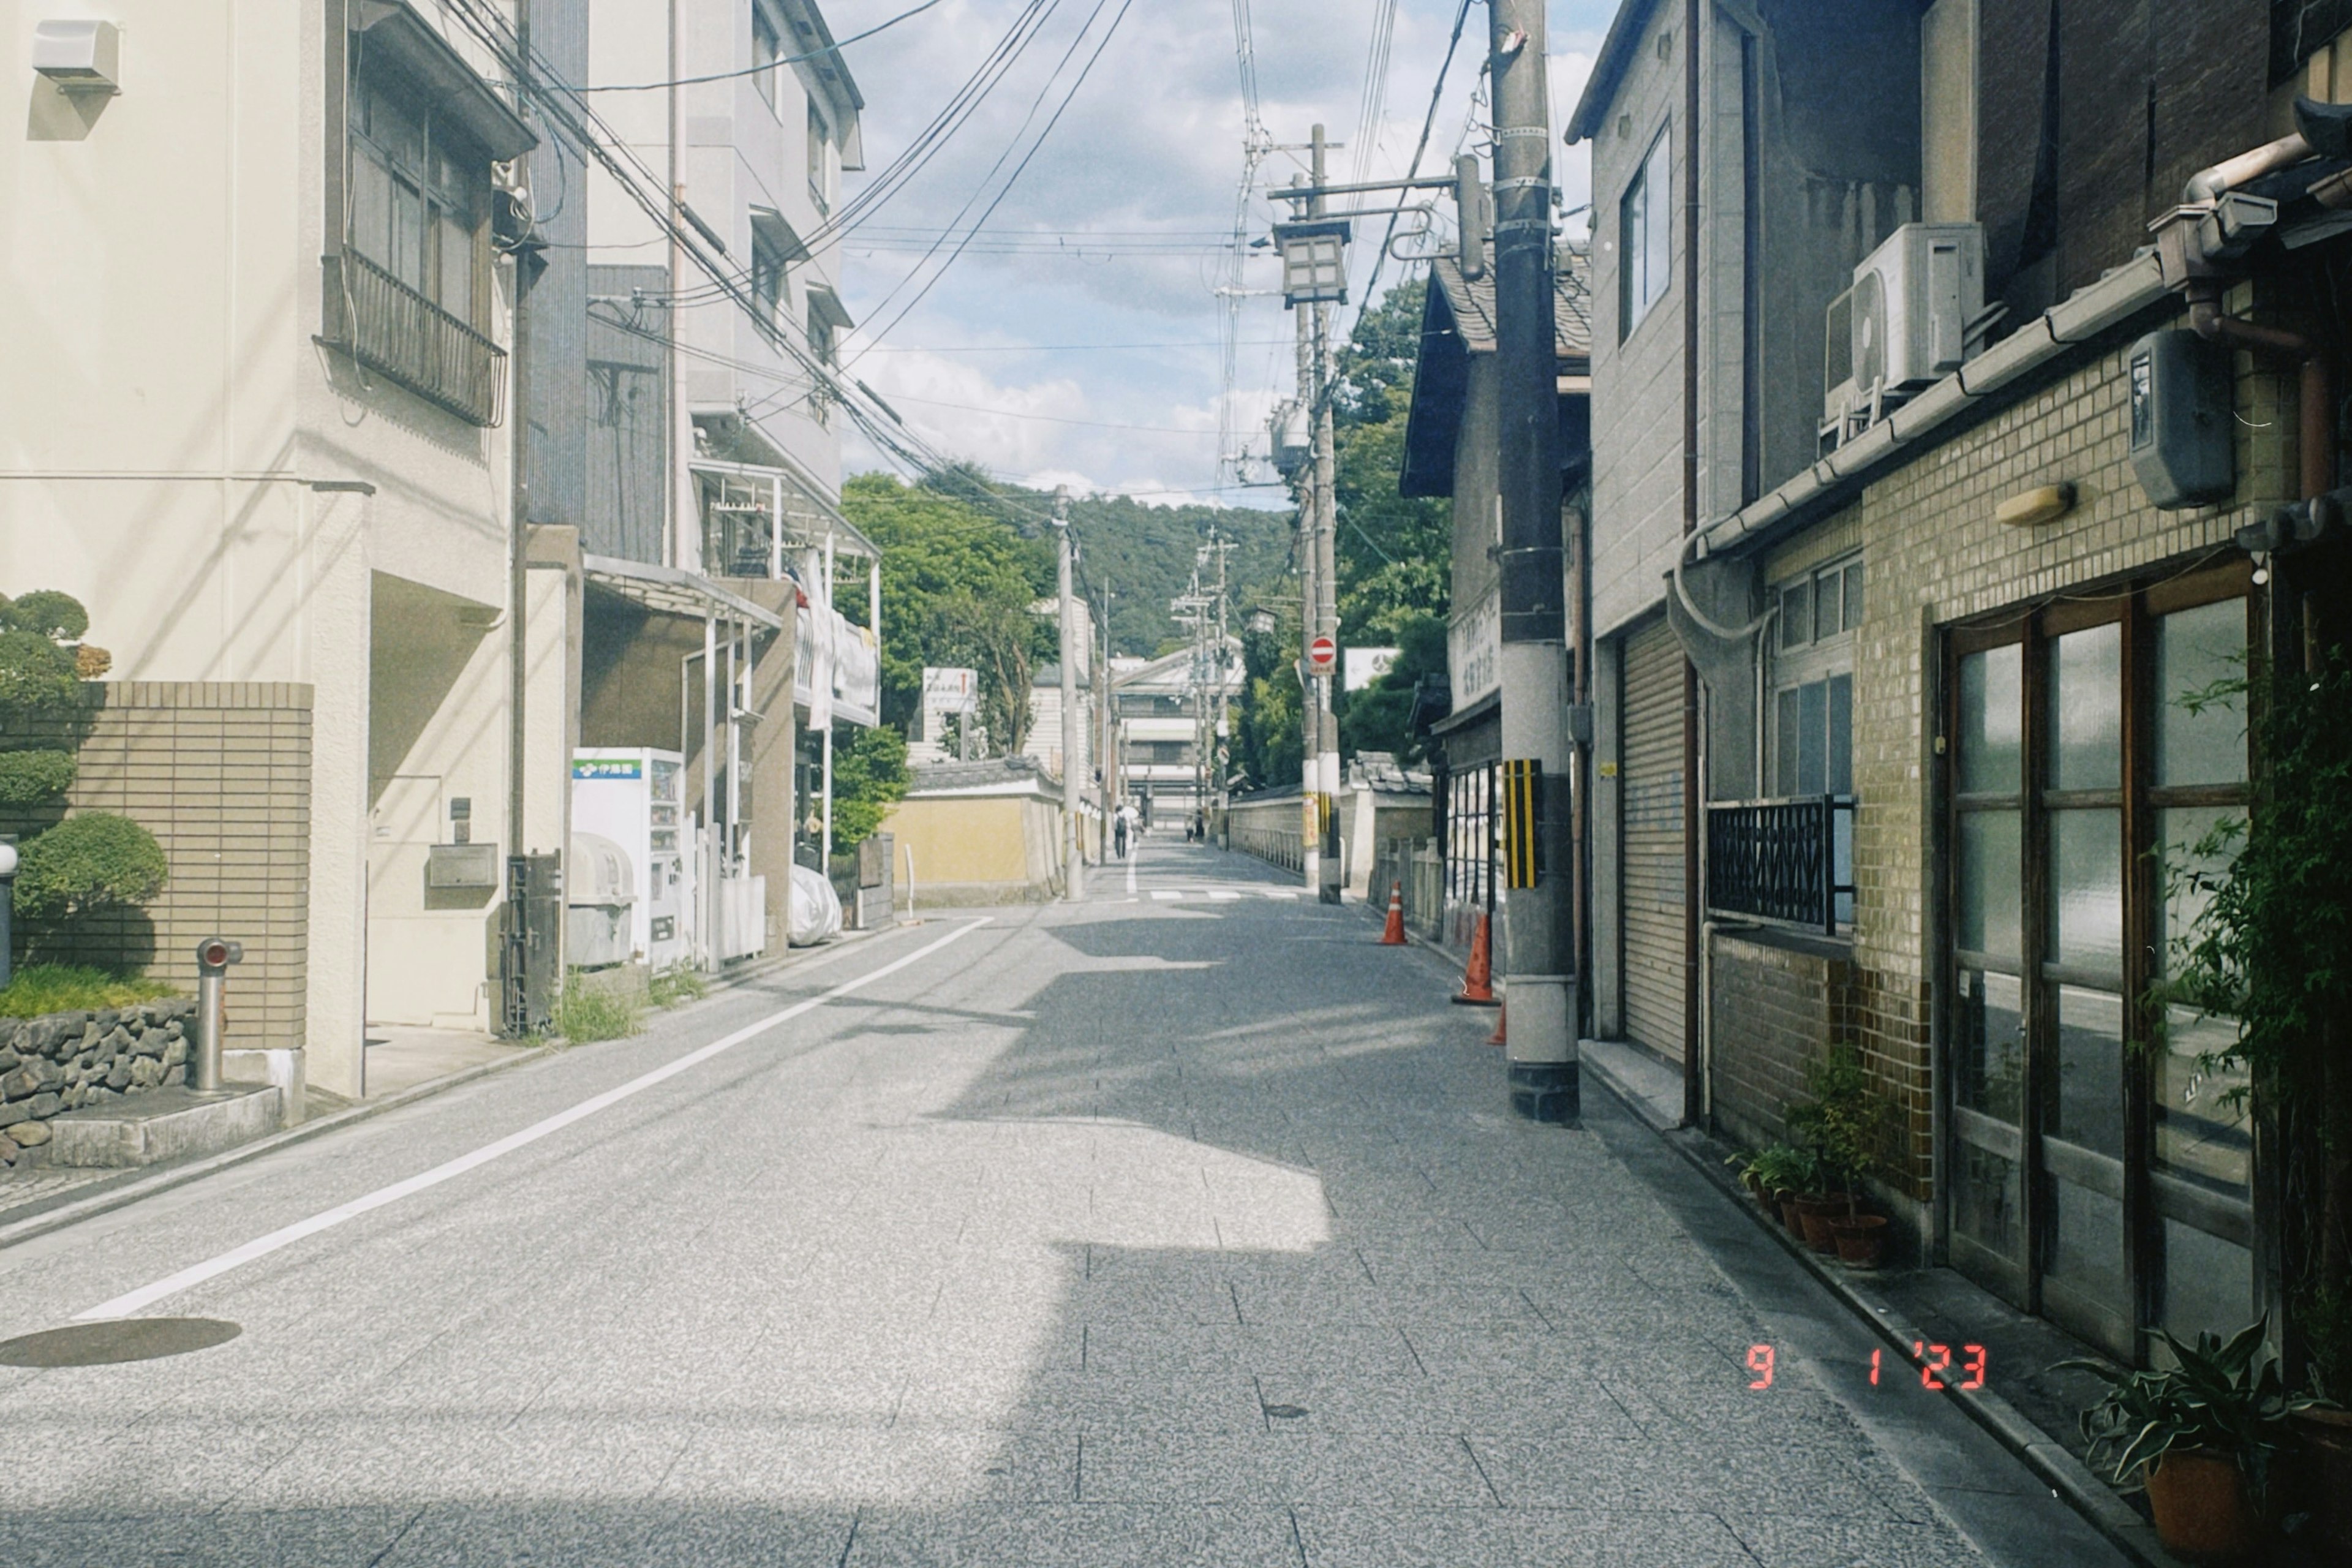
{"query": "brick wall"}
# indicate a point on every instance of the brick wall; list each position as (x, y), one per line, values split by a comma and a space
(1773, 1012)
(219, 772)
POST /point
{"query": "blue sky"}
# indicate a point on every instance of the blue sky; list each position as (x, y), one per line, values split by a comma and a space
(1112, 234)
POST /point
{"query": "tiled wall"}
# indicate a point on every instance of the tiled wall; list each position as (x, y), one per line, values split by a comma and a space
(219, 772)
(1932, 554)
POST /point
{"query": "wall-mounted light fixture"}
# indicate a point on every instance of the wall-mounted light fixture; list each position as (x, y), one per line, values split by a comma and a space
(2035, 507)
(79, 57)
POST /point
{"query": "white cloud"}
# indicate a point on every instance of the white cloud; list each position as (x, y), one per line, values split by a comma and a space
(1151, 145)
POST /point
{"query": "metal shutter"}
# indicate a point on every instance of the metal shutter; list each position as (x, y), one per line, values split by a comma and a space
(1653, 825)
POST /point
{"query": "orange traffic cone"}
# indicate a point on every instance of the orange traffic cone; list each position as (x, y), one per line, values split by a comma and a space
(1502, 1017)
(1392, 933)
(1478, 975)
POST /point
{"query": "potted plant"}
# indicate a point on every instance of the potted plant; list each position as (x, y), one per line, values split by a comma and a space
(2198, 1435)
(1783, 1173)
(1843, 1124)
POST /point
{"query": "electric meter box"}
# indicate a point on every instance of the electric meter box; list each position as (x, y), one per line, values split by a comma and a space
(2183, 446)
(627, 803)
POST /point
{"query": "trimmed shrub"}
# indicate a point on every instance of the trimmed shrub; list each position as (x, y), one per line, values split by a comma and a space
(28, 778)
(87, 863)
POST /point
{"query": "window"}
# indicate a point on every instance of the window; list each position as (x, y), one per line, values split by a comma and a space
(1645, 237)
(770, 281)
(419, 193)
(820, 166)
(1812, 682)
(767, 49)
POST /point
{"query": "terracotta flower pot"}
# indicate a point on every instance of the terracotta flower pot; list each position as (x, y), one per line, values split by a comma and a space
(1814, 1212)
(1755, 1188)
(2202, 1510)
(2323, 1450)
(1860, 1238)
(1784, 1203)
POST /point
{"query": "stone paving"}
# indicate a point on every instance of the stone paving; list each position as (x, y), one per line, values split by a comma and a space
(1149, 1232)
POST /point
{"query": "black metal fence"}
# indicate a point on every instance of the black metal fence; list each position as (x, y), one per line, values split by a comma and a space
(399, 334)
(1787, 860)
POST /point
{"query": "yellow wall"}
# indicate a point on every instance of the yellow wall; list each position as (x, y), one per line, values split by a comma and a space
(968, 846)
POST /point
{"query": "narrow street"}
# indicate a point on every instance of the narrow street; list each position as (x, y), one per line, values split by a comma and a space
(1188, 1227)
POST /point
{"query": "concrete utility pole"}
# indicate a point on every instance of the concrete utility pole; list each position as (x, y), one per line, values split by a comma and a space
(1535, 689)
(1223, 546)
(1074, 873)
(1309, 510)
(1324, 610)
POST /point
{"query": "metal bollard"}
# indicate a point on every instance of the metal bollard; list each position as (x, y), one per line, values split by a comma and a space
(7, 901)
(214, 955)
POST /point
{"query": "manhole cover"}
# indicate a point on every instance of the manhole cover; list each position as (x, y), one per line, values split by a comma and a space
(119, 1339)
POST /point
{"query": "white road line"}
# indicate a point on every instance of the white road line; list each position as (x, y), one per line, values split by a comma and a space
(1222, 896)
(1168, 894)
(1133, 855)
(1279, 892)
(263, 1246)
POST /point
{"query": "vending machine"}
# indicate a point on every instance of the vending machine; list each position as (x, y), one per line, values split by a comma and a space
(629, 798)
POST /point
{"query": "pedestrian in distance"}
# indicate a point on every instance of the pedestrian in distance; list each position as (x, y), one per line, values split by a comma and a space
(1119, 832)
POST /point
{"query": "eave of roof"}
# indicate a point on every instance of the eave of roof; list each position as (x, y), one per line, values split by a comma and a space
(1609, 71)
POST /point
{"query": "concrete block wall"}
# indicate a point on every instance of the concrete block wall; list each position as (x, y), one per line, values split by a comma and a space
(219, 772)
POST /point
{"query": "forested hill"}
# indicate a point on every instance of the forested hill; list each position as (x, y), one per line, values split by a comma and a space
(1144, 554)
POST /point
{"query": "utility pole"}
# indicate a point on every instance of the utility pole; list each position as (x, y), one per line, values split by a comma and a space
(1537, 925)
(1073, 873)
(1310, 731)
(1225, 713)
(1324, 611)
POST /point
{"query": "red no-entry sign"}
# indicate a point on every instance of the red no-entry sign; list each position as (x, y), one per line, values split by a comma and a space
(1322, 655)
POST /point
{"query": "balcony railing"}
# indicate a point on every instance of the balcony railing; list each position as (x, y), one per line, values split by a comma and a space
(399, 334)
(1789, 861)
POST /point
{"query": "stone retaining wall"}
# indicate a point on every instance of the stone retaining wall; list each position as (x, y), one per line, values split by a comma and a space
(62, 1061)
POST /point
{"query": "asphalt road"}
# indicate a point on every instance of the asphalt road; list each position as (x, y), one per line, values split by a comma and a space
(1163, 1230)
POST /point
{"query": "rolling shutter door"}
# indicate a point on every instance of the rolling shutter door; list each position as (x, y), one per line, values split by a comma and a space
(1653, 827)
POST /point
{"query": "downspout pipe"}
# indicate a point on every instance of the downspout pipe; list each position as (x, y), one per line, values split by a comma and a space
(2315, 377)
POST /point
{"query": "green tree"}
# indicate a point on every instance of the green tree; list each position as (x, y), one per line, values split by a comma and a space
(869, 772)
(1270, 715)
(1379, 716)
(1395, 552)
(957, 587)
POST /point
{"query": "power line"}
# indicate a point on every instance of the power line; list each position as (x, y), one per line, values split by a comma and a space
(832, 48)
(1412, 171)
(1013, 178)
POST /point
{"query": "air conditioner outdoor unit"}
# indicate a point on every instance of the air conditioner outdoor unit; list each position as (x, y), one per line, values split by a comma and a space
(1912, 303)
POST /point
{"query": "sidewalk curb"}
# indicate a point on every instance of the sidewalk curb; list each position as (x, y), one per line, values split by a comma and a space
(2065, 1475)
(74, 1210)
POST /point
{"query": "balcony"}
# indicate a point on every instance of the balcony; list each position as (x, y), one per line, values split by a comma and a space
(1789, 862)
(404, 337)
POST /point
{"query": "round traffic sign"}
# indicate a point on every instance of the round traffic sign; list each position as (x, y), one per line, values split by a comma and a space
(1322, 655)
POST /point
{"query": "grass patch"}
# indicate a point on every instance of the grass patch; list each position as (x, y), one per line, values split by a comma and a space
(677, 985)
(584, 1015)
(38, 988)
